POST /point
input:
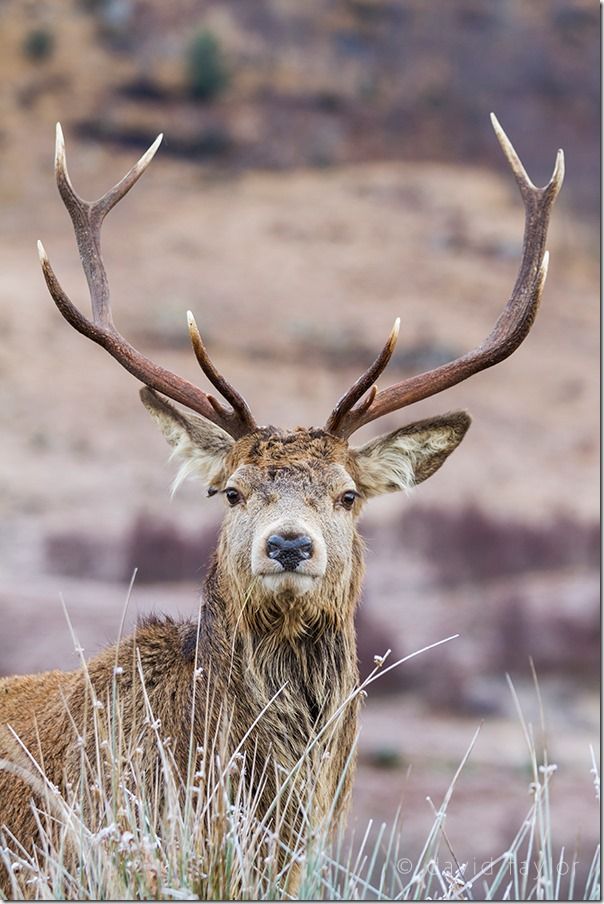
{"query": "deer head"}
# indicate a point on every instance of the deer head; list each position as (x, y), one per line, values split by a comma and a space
(292, 501)
(289, 552)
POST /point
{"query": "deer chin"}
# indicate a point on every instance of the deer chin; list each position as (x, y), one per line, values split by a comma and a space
(289, 583)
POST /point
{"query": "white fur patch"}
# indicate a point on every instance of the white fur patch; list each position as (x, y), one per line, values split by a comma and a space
(193, 464)
(289, 582)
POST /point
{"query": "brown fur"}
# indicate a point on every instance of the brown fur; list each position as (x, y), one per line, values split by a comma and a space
(256, 637)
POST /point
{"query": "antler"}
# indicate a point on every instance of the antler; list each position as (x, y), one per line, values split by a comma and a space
(87, 218)
(510, 330)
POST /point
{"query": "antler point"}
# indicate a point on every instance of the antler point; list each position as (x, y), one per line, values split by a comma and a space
(156, 143)
(149, 154)
(559, 168)
(42, 253)
(193, 328)
(393, 338)
(59, 146)
(497, 128)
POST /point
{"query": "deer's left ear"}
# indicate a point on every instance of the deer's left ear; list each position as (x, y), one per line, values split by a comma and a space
(201, 446)
(399, 460)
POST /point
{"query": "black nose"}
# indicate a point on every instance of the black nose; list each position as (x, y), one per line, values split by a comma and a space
(289, 551)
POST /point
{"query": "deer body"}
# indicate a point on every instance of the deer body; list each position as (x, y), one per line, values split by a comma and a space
(271, 661)
(49, 711)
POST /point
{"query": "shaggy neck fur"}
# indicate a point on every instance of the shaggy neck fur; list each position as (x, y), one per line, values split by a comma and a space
(303, 652)
(299, 678)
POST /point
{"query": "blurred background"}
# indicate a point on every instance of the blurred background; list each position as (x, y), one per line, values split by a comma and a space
(326, 166)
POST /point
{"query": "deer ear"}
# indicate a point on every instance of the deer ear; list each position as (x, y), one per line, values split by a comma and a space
(399, 460)
(201, 446)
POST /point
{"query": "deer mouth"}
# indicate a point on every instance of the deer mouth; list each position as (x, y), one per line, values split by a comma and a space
(295, 582)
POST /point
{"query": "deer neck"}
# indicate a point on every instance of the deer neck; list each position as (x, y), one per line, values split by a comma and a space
(307, 665)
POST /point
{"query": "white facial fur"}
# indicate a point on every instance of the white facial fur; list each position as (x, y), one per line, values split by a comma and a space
(290, 502)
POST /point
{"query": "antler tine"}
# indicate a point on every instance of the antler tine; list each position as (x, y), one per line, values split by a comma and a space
(229, 392)
(511, 327)
(525, 184)
(115, 194)
(87, 218)
(366, 381)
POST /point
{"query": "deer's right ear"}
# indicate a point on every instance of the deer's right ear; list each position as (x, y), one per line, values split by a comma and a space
(201, 446)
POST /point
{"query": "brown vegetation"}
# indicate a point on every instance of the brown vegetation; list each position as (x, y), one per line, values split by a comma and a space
(469, 545)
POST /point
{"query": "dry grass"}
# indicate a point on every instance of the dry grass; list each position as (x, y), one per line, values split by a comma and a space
(121, 834)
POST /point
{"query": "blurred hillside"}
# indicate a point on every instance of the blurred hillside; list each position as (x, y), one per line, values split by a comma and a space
(286, 84)
(326, 167)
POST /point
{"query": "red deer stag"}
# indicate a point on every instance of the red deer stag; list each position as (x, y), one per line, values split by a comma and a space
(275, 633)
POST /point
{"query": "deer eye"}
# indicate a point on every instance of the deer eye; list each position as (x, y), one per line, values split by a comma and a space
(347, 499)
(233, 496)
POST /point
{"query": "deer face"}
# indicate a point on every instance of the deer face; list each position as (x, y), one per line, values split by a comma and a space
(292, 503)
(289, 544)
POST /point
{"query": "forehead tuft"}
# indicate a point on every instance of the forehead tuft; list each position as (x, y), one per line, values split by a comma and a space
(272, 448)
